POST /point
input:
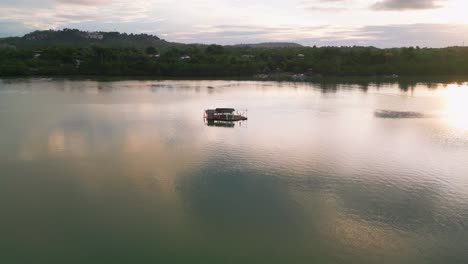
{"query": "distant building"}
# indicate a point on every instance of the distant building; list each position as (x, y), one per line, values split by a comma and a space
(300, 55)
(262, 76)
(299, 77)
(185, 57)
(94, 35)
(78, 63)
(310, 72)
(154, 56)
(394, 76)
(248, 56)
(37, 54)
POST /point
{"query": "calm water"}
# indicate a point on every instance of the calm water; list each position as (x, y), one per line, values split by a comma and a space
(128, 172)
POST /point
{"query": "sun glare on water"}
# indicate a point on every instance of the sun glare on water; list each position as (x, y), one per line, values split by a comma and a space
(456, 96)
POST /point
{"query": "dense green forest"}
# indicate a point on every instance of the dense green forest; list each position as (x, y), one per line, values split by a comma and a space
(73, 52)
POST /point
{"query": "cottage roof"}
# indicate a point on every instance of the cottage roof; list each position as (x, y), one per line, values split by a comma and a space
(224, 110)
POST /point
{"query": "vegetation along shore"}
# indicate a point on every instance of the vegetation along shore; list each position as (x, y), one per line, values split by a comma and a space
(72, 52)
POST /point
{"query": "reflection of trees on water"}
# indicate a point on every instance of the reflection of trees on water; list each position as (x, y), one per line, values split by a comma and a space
(326, 85)
(229, 196)
(248, 211)
(405, 84)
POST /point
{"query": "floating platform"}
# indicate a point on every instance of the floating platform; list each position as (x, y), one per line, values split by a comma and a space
(225, 114)
(216, 123)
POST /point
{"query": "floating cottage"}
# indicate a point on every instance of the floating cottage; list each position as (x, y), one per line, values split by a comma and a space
(225, 114)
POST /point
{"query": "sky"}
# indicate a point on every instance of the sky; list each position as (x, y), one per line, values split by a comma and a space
(380, 23)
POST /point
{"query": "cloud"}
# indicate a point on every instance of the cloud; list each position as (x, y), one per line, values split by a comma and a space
(406, 4)
(243, 34)
(384, 36)
(58, 15)
(325, 5)
(86, 2)
(388, 36)
(187, 20)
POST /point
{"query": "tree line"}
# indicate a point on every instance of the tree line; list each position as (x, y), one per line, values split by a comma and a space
(231, 61)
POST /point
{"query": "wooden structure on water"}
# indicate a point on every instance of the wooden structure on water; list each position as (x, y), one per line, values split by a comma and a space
(225, 114)
(216, 123)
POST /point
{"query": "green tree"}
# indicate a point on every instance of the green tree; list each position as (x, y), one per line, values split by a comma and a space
(151, 50)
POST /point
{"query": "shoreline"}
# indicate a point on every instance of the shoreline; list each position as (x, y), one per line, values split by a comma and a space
(322, 79)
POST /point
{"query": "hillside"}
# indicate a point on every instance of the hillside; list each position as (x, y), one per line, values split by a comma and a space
(271, 45)
(74, 38)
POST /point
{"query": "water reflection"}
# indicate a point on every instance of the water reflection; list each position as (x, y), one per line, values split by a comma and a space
(217, 123)
(314, 177)
(397, 114)
(56, 142)
(239, 195)
(456, 96)
(228, 124)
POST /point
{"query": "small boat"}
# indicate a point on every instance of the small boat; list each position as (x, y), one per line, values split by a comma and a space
(225, 114)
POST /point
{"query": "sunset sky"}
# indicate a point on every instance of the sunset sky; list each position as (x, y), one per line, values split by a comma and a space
(381, 23)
